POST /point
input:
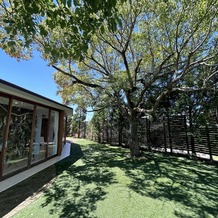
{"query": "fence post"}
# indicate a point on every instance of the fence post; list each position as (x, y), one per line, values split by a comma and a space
(191, 130)
(165, 139)
(208, 142)
(169, 132)
(186, 134)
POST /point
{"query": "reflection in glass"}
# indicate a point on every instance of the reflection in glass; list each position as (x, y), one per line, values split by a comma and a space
(39, 142)
(17, 148)
(64, 131)
(3, 115)
(53, 133)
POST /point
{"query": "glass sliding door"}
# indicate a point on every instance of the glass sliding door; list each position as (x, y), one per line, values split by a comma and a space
(40, 137)
(53, 133)
(3, 116)
(17, 148)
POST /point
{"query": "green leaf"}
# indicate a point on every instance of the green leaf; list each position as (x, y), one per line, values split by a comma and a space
(8, 29)
(102, 29)
(63, 2)
(69, 3)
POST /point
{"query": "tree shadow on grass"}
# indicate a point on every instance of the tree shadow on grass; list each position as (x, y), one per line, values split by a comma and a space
(77, 190)
(188, 184)
(15, 195)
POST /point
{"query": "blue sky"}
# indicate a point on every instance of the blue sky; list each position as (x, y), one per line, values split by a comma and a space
(34, 75)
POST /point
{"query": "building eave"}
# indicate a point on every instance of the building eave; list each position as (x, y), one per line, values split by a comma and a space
(17, 91)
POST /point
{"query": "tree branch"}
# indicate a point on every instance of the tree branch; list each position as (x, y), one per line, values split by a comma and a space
(76, 79)
(137, 69)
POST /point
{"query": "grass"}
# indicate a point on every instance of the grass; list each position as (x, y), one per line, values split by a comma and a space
(105, 183)
(215, 158)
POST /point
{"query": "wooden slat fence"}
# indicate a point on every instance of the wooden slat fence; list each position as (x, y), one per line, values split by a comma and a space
(173, 135)
(170, 134)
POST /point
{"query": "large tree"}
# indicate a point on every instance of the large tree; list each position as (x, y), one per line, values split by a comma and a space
(158, 48)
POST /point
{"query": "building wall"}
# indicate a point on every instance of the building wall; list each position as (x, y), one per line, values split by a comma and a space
(30, 133)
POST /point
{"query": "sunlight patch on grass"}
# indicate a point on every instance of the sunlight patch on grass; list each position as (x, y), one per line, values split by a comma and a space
(215, 158)
(123, 202)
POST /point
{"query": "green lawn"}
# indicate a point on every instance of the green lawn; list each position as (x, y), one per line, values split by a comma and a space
(105, 183)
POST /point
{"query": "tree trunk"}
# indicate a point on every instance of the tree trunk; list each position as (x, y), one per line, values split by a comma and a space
(120, 128)
(134, 143)
(79, 123)
(107, 132)
(217, 114)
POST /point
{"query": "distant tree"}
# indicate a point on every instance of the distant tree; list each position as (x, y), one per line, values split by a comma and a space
(96, 123)
(78, 121)
(201, 106)
(69, 127)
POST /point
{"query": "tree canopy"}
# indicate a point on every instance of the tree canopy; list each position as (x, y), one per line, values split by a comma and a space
(59, 29)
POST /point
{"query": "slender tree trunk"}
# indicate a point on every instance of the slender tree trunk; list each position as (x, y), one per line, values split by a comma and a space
(99, 132)
(103, 131)
(85, 126)
(216, 114)
(120, 129)
(79, 124)
(134, 143)
(107, 132)
(79, 129)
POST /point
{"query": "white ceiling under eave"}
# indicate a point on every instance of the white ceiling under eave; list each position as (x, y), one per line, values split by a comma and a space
(17, 91)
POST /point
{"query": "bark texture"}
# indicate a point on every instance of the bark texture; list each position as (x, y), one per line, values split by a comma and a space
(134, 142)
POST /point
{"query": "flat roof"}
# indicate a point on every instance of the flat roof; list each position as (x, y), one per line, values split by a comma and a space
(12, 89)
